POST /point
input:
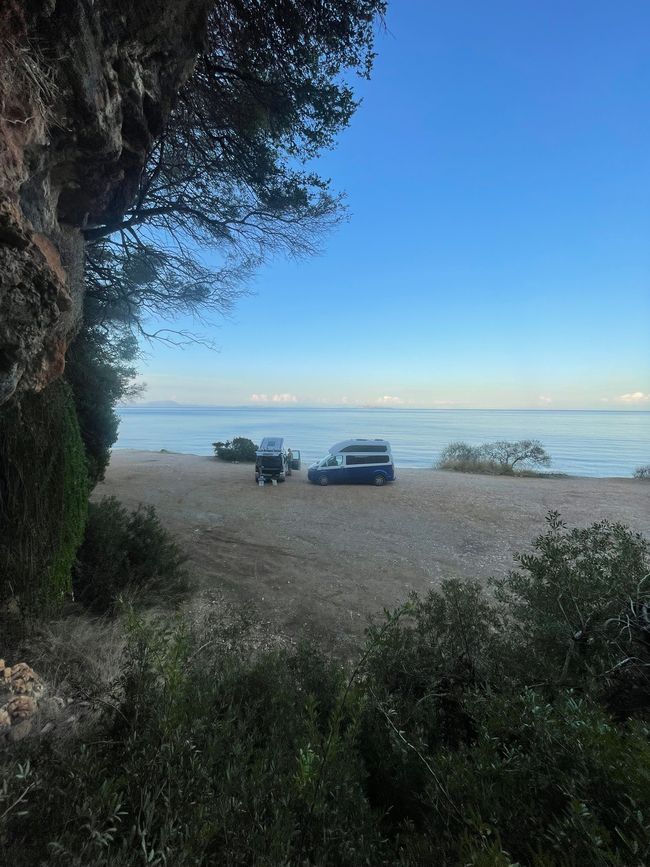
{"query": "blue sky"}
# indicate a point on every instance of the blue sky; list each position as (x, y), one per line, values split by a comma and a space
(498, 247)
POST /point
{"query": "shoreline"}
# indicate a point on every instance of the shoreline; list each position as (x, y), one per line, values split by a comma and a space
(401, 468)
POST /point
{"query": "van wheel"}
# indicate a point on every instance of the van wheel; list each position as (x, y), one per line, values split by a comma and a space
(323, 480)
(380, 480)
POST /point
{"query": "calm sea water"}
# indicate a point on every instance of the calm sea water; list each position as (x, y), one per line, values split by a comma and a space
(580, 442)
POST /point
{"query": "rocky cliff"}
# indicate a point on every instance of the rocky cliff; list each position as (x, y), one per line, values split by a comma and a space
(85, 87)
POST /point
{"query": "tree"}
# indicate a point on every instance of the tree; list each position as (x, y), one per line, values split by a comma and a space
(229, 174)
(269, 93)
(509, 454)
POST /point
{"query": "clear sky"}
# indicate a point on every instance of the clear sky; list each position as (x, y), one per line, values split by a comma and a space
(498, 250)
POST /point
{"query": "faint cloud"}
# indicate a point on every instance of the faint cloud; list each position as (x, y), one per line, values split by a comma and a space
(285, 397)
(604, 400)
(543, 398)
(344, 399)
(259, 398)
(388, 400)
(634, 397)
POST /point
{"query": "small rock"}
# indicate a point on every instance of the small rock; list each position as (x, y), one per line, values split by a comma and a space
(20, 708)
(5, 721)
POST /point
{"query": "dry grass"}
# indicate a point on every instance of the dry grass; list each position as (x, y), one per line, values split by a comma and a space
(27, 86)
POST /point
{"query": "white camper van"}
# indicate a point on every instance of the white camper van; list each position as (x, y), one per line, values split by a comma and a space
(355, 461)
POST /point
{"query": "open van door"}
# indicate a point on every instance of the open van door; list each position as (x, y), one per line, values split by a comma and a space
(295, 460)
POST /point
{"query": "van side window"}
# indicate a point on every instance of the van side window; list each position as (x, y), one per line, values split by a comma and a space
(335, 461)
(350, 460)
(365, 448)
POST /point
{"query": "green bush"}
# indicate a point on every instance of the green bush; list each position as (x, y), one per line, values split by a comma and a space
(497, 458)
(642, 472)
(464, 458)
(126, 553)
(458, 737)
(578, 609)
(100, 372)
(241, 450)
(43, 498)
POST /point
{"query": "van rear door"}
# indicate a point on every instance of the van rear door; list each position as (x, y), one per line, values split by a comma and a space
(295, 460)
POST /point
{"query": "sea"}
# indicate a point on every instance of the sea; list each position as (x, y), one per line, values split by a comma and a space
(582, 443)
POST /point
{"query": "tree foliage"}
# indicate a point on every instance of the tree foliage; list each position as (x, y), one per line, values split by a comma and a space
(500, 458)
(509, 454)
(43, 498)
(269, 93)
(240, 449)
(100, 370)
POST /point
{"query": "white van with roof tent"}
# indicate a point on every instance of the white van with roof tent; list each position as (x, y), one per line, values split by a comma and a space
(359, 460)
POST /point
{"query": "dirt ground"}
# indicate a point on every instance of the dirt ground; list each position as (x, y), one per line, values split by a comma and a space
(316, 562)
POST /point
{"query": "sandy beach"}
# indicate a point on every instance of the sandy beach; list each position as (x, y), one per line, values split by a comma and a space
(316, 562)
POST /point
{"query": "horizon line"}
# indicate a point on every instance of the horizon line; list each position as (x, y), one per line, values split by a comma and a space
(170, 404)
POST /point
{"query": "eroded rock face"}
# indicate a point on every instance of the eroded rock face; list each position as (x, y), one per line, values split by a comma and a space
(85, 87)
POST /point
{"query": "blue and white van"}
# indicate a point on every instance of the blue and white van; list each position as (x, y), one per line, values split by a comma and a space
(368, 461)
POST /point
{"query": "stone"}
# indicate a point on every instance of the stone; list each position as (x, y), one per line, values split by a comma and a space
(74, 137)
(25, 681)
(5, 721)
(20, 707)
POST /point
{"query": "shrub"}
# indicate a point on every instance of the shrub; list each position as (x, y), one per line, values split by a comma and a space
(523, 452)
(464, 458)
(456, 739)
(642, 472)
(100, 372)
(240, 449)
(43, 498)
(498, 458)
(578, 610)
(126, 552)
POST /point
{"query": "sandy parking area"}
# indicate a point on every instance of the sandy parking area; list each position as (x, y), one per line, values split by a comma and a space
(317, 561)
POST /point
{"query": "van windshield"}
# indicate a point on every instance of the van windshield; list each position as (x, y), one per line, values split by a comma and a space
(331, 461)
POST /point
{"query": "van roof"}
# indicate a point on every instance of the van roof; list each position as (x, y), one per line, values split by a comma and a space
(271, 444)
(361, 443)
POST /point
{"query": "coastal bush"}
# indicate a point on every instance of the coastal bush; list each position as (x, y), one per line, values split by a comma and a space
(642, 472)
(457, 738)
(462, 457)
(497, 458)
(126, 553)
(99, 369)
(43, 498)
(240, 450)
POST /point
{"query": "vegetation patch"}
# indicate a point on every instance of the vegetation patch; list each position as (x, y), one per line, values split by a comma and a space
(127, 554)
(43, 498)
(472, 730)
(642, 472)
(240, 450)
(99, 369)
(500, 458)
